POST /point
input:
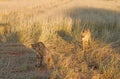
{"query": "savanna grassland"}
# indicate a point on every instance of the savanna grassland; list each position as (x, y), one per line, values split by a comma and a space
(59, 23)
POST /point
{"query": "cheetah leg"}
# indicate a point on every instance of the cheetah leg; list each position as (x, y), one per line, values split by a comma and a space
(39, 60)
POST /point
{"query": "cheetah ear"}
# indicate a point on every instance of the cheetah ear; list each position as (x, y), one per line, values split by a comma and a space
(84, 31)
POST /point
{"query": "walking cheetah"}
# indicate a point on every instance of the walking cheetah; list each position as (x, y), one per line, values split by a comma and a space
(86, 39)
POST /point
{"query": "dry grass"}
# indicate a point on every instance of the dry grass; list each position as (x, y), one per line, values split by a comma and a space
(59, 25)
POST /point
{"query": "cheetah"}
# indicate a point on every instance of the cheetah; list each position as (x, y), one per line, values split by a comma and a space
(43, 55)
(39, 48)
(86, 39)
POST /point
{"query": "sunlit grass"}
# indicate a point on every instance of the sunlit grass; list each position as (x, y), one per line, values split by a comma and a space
(62, 35)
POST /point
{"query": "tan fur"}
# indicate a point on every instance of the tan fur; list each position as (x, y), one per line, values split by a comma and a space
(86, 39)
(49, 61)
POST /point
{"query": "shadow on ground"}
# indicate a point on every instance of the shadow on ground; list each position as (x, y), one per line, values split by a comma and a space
(15, 58)
(104, 24)
(65, 36)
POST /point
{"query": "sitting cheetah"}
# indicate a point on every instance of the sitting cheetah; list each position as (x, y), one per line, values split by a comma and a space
(86, 39)
(39, 49)
(44, 56)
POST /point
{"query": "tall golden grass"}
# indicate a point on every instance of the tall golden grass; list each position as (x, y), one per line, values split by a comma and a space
(61, 32)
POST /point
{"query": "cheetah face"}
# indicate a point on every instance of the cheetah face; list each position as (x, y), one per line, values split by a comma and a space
(85, 32)
(38, 46)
